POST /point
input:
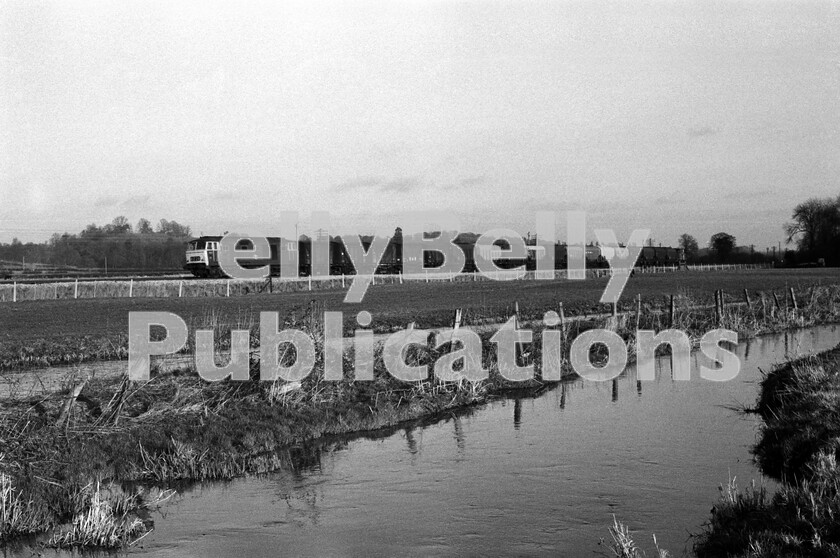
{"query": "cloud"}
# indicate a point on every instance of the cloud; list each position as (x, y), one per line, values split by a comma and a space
(106, 201)
(400, 185)
(366, 182)
(403, 185)
(674, 198)
(683, 198)
(474, 180)
(136, 201)
(225, 195)
(703, 131)
(114, 201)
(748, 194)
(602, 206)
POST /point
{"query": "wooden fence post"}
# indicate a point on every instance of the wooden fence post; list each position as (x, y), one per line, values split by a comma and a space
(14, 292)
(786, 304)
(180, 289)
(562, 321)
(310, 282)
(747, 298)
(718, 306)
(76, 290)
(673, 313)
(638, 310)
(793, 299)
(228, 287)
(130, 288)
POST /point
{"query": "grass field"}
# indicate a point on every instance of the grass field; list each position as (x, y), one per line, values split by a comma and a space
(394, 306)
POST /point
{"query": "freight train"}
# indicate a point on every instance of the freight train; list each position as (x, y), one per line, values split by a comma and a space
(202, 258)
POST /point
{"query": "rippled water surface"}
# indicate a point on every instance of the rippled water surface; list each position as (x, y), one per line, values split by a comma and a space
(523, 477)
(531, 476)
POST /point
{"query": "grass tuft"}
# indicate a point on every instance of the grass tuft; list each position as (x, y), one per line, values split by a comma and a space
(799, 445)
(623, 545)
(18, 515)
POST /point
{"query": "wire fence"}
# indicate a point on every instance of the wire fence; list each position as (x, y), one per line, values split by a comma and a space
(186, 288)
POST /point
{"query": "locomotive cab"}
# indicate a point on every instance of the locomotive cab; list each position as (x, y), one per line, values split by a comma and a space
(202, 257)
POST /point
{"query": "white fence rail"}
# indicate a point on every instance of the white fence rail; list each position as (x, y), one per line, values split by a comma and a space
(190, 288)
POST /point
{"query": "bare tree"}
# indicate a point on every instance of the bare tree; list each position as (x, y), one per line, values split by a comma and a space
(119, 225)
(689, 245)
(722, 244)
(144, 226)
(816, 228)
(173, 228)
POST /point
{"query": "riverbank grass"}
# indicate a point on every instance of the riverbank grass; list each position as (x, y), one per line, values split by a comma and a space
(624, 546)
(799, 446)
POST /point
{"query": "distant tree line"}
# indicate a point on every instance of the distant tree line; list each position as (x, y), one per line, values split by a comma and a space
(721, 249)
(116, 245)
(813, 233)
(815, 230)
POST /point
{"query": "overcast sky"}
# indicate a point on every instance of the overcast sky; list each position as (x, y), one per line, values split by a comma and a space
(678, 117)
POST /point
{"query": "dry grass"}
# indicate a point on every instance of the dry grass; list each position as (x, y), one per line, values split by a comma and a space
(799, 445)
(623, 545)
(108, 520)
(18, 515)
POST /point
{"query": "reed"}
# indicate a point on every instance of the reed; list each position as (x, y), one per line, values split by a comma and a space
(108, 518)
(18, 514)
(799, 445)
(107, 522)
(623, 545)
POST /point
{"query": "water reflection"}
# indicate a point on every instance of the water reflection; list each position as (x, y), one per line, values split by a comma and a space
(460, 437)
(411, 441)
(548, 481)
(517, 413)
(306, 460)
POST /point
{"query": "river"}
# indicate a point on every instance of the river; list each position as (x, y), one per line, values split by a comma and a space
(529, 476)
(514, 477)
